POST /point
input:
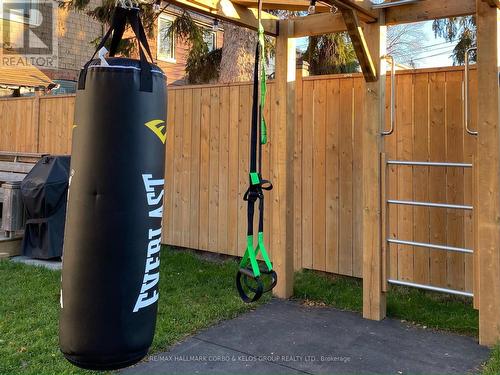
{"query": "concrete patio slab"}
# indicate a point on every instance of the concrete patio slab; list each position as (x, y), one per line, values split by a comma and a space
(284, 337)
(50, 264)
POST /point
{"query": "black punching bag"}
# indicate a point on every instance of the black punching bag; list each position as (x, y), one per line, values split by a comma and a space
(113, 226)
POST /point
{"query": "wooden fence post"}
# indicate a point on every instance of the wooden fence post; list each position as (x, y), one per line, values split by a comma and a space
(374, 299)
(282, 166)
(489, 173)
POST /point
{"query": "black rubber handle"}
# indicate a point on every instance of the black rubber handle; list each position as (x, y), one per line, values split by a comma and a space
(257, 292)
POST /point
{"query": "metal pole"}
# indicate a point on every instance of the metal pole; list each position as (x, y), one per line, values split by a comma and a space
(394, 4)
(429, 287)
(429, 164)
(466, 94)
(431, 245)
(393, 96)
(430, 204)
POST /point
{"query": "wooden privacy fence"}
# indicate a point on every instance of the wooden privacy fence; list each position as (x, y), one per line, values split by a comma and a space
(37, 124)
(207, 168)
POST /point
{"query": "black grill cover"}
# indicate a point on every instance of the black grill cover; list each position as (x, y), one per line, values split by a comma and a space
(44, 193)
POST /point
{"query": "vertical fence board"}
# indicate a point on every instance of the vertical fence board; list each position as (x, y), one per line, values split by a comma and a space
(346, 151)
(421, 178)
(195, 171)
(297, 168)
(185, 180)
(470, 150)
(232, 203)
(213, 180)
(357, 191)
(404, 133)
(437, 176)
(167, 235)
(332, 175)
(244, 139)
(319, 188)
(223, 170)
(177, 181)
(204, 167)
(307, 177)
(454, 179)
(390, 147)
(267, 155)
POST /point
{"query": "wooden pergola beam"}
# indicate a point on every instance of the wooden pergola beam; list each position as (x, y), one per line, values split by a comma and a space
(429, 10)
(291, 5)
(362, 8)
(360, 46)
(318, 24)
(226, 10)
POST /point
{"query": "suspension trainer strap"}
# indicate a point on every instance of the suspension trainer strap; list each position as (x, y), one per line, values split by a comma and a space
(249, 275)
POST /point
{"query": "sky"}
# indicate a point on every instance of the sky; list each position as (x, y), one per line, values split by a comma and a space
(436, 51)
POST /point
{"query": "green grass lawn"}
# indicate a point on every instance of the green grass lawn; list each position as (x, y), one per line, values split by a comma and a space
(194, 294)
(432, 310)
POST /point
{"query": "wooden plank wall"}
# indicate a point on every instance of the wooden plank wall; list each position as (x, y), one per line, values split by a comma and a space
(37, 124)
(207, 168)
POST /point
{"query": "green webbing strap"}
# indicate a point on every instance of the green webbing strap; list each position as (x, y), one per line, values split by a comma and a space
(251, 255)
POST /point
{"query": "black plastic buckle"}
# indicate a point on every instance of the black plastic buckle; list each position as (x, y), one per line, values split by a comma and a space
(253, 193)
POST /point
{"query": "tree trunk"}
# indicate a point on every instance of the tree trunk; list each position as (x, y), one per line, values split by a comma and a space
(238, 54)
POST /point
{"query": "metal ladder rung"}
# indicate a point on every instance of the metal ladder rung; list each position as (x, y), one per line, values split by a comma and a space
(430, 204)
(429, 164)
(431, 245)
(430, 287)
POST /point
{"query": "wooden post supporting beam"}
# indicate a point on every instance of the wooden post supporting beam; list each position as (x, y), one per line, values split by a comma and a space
(282, 144)
(231, 12)
(374, 298)
(488, 194)
(360, 46)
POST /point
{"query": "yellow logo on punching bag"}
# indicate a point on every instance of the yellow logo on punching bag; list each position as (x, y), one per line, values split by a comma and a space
(157, 128)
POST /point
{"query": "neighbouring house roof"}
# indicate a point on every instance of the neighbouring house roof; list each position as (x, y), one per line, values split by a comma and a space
(25, 76)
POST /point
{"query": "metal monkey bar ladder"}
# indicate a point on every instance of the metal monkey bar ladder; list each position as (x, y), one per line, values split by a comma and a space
(386, 203)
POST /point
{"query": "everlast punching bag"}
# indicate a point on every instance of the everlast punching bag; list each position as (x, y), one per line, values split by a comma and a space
(113, 225)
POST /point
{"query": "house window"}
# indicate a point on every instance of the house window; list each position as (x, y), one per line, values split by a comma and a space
(166, 44)
(210, 37)
(25, 12)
